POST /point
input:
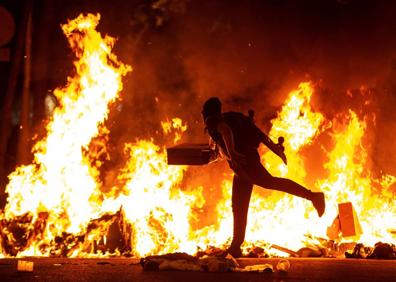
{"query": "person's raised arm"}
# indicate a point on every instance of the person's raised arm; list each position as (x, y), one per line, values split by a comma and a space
(277, 149)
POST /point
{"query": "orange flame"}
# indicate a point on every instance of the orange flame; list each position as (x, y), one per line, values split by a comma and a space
(299, 126)
(61, 181)
(350, 180)
(176, 125)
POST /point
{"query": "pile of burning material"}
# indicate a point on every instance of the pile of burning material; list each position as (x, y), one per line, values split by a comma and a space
(332, 249)
(217, 260)
(19, 233)
(183, 261)
(341, 240)
(380, 251)
(252, 251)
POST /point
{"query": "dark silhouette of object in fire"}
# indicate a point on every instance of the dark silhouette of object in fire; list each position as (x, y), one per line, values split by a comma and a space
(237, 138)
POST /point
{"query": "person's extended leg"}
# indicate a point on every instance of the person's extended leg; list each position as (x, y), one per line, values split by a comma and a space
(261, 177)
(241, 192)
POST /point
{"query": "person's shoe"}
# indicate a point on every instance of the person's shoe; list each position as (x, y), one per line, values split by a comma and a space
(318, 201)
(235, 252)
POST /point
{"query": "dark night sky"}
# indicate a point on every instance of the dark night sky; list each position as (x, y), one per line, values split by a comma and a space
(249, 53)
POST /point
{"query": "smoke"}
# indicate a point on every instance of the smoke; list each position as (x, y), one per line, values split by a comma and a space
(250, 54)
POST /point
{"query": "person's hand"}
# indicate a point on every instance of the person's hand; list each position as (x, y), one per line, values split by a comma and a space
(281, 152)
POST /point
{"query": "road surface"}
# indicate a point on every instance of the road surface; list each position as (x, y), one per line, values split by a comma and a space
(127, 269)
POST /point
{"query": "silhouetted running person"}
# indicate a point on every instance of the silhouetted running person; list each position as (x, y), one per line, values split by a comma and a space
(238, 138)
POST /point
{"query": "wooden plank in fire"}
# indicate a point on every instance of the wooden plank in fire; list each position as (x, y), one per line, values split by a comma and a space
(285, 250)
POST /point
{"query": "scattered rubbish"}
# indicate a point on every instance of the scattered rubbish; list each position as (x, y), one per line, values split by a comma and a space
(384, 251)
(380, 251)
(303, 252)
(257, 252)
(343, 247)
(182, 261)
(152, 263)
(230, 257)
(57, 264)
(211, 251)
(266, 267)
(218, 264)
(307, 252)
(283, 265)
(359, 251)
(24, 265)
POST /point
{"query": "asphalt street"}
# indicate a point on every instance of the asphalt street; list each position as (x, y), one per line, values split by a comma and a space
(127, 269)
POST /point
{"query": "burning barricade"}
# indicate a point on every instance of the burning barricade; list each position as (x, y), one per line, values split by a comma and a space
(57, 206)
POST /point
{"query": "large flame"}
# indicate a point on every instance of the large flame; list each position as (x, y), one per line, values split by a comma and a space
(278, 218)
(61, 182)
(349, 179)
(56, 206)
(298, 125)
(176, 125)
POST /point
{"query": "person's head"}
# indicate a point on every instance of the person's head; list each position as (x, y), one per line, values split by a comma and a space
(211, 108)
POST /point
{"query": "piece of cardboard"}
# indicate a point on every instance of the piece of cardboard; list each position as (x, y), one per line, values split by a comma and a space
(334, 230)
(349, 223)
(189, 154)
